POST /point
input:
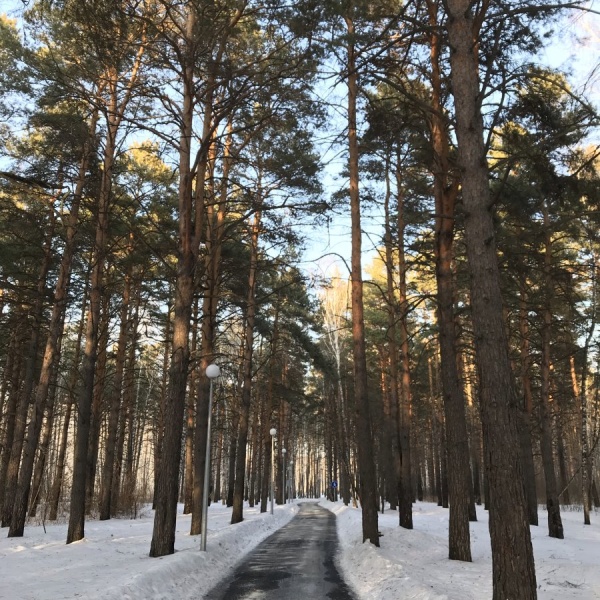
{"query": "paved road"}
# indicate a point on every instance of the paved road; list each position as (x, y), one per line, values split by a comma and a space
(295, 563)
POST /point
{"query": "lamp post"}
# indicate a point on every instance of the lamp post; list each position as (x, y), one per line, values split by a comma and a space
(212, 372)
(291, 480)
(273, 432)
(283, 451)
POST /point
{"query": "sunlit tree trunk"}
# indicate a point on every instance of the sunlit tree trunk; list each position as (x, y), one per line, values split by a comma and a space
(364, 436)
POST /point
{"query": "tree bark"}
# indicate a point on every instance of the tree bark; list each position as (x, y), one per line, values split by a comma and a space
(39, 472)
(12, 373)
(393, 419)
(163, 533)
(97, 403)
(15, 462)
(555, 528)
(56, 488)
(526, 412)
(215, 217)
(512, 553)
(445, 192)
(190, 418)
(115, 405)
(587, 480)
(405, 408)
(364, 436)
(115, 111)
(242, 441)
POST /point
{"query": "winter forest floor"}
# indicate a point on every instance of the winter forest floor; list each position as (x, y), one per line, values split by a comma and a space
(112, 562)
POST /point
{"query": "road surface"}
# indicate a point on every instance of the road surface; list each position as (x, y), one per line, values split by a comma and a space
(295, 563)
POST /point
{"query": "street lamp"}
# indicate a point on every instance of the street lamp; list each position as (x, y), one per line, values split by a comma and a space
(212, 372)
(273, 433)
(283, 451)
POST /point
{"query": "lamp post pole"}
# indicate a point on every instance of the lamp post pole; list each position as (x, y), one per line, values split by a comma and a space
(291, 482)
(273, 432)
(212, 372)
(283, 451)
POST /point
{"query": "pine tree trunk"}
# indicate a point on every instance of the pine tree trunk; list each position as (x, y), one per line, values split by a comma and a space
(588, 484)
(159, 424)
(445, 191)
(14, 464)
(130, 406)
(555, 528)
(266, 424)
(562, 463)
(215, 218)
(255, 444)
(219, 456)
(512, 553)
(405, 408)
(115, 405)
(392, 430)
(526, 412)
(167, 480)
(188, 485)
(235, 422)
(56, 488)
(445, 488)
(55, 328)
(15, 375)
(84, 407)
(39, 473)
(97, 402)
(364, 436)
(242, 441)
(163, 534)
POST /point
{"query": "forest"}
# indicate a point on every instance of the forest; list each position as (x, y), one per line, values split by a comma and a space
(163, 166)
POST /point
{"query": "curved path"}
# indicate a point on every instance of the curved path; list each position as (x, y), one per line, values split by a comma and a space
(294, 563)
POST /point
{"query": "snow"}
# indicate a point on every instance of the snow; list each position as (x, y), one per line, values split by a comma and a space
(112, 562)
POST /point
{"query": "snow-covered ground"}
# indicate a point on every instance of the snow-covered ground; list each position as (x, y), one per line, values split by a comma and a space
(413, 565)
(112, 562)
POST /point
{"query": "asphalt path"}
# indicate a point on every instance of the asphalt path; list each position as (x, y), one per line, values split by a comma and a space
(295, 563)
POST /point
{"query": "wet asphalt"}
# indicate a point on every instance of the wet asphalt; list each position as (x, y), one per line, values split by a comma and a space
(295, 563)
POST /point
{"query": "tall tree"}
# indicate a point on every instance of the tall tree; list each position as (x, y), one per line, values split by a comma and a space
(445, 190)
(119, 60)
(367, 483)
(512, 553)
(55, 328)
